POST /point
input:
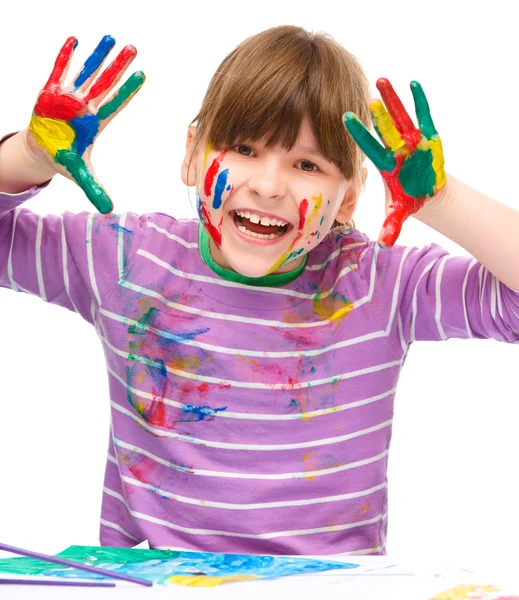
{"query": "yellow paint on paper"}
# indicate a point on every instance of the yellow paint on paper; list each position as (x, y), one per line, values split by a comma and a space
(464, 592)
(205, 580)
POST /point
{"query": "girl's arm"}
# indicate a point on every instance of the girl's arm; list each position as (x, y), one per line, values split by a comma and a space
(486, 228)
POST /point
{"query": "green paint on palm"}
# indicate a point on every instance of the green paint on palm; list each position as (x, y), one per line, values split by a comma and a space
(76, 166)
(417, 175)
(125, 93)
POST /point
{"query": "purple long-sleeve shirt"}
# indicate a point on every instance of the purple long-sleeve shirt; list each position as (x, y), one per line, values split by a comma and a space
(247, 418)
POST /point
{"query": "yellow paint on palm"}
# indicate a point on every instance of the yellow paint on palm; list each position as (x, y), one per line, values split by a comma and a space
(385, 126)
(438, 162)
(51, 134)
(205, 580)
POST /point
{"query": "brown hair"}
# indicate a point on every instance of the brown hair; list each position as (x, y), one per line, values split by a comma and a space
(271, 81)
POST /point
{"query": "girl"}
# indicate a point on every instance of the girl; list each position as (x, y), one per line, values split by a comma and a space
(253, 354)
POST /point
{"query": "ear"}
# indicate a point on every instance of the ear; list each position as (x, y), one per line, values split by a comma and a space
(349, 202)
(188, 173)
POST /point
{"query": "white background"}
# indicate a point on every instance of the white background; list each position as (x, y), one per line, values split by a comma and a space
(453, 466)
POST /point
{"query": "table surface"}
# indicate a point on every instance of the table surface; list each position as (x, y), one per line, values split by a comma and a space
(378, 578)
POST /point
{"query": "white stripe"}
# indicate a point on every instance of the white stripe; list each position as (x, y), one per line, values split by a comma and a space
(64, 259)
(120, 246)
(232, 284)
(326, 529)
(261, 447)
(261, 536)
(334, 254)
(90, 259)
(39, 274)
(250, 384)
(464, 298)
(414, 313)
(119, 529)
(438, 297)
(240, 351)
(10, 259)
(363, 551)
(233, 318)
(172, 236)
(255, 416)
(248, 474)
(254, 506)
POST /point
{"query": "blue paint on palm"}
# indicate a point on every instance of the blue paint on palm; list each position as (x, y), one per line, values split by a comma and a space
(93, 62)
(86, 129)
(219, 188)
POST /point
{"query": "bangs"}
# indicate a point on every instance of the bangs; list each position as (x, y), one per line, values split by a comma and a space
(270, 83)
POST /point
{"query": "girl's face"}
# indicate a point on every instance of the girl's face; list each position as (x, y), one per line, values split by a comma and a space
(265, 208)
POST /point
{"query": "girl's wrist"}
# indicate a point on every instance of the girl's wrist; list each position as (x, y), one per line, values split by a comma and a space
(21, 167)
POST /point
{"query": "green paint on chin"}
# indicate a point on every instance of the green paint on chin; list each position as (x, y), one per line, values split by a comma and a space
(76, 166)
(417, 175)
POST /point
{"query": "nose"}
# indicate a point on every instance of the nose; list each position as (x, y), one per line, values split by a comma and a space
(266, 179)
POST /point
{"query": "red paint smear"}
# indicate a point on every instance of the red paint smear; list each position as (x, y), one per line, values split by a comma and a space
(212, 172)
(213, 231)
(402, 207)
(402, 120)
(108, 77)
(53, 105)
(61, 63)
(302, 213)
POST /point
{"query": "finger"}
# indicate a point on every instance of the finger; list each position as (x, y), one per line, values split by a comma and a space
(384, 126)
(401, 119)
(112, 74)
(81, 174)
(123, 95)
(423, 113)
(59, 72)
(382, 159)
(93, 63)
(390, 229)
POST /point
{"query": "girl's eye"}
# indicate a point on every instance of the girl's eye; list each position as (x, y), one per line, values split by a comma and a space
(245, 150)
(308, 166)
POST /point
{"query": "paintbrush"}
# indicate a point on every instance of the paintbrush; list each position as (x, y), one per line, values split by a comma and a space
(56, 582)
(74, 565)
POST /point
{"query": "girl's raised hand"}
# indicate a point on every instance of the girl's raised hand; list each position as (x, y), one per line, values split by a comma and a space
(68, 118)
(411, 160)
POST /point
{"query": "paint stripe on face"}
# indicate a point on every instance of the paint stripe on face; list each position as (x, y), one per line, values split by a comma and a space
(219, 188)
(212, 172)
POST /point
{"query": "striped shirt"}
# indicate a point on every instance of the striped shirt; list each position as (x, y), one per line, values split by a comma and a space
(247, 418)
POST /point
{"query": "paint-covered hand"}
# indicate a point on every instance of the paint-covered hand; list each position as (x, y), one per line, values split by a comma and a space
(411, 161)
(68, 118)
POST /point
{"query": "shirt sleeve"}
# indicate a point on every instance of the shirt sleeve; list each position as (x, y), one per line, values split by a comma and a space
(427, 294)
(72, 260)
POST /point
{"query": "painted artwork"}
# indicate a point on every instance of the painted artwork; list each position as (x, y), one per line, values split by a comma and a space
(202, 569)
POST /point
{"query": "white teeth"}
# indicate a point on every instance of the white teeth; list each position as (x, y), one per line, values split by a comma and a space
(260, 236)
(254, 218)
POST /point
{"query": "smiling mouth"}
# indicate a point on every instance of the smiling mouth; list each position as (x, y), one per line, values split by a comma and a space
(245, 222)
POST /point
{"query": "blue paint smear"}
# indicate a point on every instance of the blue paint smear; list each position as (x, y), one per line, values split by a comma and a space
(158, 565)
(86, 129)
(93, 62)
(199, 208)
(202, 411)
(219, 188)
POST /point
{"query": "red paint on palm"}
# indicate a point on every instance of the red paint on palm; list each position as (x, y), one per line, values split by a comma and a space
(402, 205)
(403, 122)
(108, 76)
(61, 63)
(53, 105)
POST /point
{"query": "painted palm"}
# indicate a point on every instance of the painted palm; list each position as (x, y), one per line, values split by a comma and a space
(67, 119)
(411, 160)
